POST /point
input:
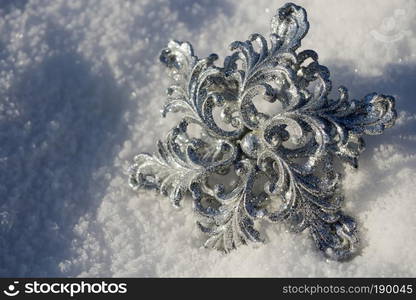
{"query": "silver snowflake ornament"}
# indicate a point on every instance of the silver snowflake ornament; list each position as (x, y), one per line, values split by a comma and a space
(241, 165)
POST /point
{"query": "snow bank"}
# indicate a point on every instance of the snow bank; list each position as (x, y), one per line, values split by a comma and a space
(80, 92)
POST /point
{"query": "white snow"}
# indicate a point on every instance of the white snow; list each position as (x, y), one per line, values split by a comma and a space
(80, 93)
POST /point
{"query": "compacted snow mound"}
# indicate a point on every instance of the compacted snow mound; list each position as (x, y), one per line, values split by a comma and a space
(80, 94)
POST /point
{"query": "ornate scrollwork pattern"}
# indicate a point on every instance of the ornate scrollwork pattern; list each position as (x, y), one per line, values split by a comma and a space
(243, 165)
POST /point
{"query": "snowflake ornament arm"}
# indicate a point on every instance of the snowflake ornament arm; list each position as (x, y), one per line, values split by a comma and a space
(247, 165)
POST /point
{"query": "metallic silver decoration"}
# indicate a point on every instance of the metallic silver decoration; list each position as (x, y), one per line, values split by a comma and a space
(243, 165)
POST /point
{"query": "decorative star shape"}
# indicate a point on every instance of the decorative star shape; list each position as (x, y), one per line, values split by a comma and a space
(243, 165)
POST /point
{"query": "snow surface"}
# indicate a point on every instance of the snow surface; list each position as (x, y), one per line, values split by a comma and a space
(80, 92)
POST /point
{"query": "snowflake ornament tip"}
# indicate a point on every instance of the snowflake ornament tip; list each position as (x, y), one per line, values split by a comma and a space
(244, 165)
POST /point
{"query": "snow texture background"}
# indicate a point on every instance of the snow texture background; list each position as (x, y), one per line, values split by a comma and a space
(80, 93)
